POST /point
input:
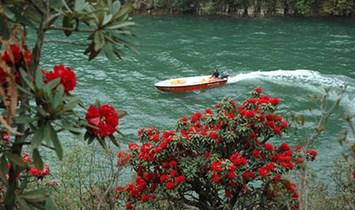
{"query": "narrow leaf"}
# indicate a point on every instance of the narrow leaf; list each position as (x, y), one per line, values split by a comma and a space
(57, 145)
(113, 140)
(121, 113)
(3, 170)
(23, 75)
(37, 159)
(16, 160)
(37, 138)
(39, 79)
(47, 133)
(49, 204)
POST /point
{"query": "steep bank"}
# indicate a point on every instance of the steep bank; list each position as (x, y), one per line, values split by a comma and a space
(240, 8)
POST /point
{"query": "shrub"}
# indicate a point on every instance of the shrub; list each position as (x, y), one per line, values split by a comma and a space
(216, 160)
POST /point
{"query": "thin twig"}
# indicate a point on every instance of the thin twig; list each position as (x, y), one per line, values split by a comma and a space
(66, 42)
(70, 29)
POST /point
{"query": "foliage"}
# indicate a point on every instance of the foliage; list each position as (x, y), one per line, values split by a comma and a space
(85, 177)
(210, 7)
(183, 5)
(218, 160)
(39, 104)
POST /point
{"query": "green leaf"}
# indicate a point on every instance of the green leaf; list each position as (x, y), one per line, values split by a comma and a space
(3, 170)
(71, 103)
(23, 119)
(19, 87)
(16, 159)
(23, 75)
(116, 6)
(37, 159)
(107, 19)
(37, 137)
(52, 84)
(56, 4)
(80, 5)
(58, 96)
(99, 40)
(72, 129)
(109, 50)
(41, 111)
(39, 79)
(10, 195)
(49, 204)
(121, 113)
(47, 133)
(22, 203)
(8, 13)
(57, 145)
(35, 198)
(126, 9)
(4, 32)
(120, 25)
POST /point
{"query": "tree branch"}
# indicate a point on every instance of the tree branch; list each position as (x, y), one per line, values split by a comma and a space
(70, 29)
(66, 42)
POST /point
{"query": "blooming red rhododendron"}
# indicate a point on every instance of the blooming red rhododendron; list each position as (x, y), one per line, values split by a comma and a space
(223, 153)
(66, 75)
(105, 118)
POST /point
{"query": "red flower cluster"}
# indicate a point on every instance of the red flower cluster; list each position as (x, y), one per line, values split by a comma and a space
(104, 118)
(311, 154)
(66, 75)
(14, 57)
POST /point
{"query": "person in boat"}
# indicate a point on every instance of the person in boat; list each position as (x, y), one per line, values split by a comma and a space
(215, 74)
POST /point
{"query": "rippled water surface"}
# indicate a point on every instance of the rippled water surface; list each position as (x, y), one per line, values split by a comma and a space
(288, 58)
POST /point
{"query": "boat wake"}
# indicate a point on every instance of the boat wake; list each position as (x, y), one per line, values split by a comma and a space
(312, 81)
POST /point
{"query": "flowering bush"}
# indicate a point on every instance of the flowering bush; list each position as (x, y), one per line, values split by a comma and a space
(216, 160)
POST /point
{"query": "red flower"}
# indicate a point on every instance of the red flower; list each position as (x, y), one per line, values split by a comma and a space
(157, 149)
(228, 193)
(170, 185)
(144, 198)
(275, 101)
(173, 163)
(179, 179)
(105, 118)
(256, 153)
(231, 175)
(129, 206)
(258, 90)
(284, 125)
(15, 57)
(66, 75)
(164, 178)
(173, 173)
(217, 179)
(247, 175)
(268, 147)
(250, 113)
(285, 147)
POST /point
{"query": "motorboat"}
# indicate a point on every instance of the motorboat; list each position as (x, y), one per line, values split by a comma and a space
(192, 83)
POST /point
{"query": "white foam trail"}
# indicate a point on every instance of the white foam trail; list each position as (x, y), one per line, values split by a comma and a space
(299, 77)
(305, 79)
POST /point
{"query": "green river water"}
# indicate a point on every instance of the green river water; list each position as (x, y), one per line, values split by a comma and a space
(289, 58)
